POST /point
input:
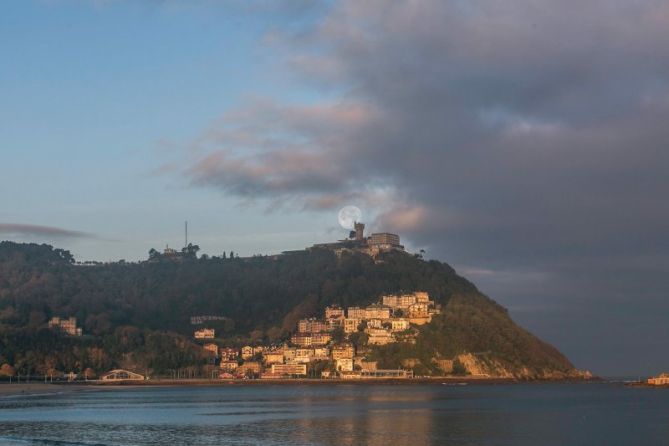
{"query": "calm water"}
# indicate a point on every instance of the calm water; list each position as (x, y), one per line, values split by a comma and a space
(534, 414)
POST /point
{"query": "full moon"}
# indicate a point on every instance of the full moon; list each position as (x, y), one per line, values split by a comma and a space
(348, 215)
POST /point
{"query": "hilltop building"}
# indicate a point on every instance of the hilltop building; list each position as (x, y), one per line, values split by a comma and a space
(357, 242)
(68, 325)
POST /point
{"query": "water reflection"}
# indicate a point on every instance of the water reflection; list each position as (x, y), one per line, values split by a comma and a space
(341, 415)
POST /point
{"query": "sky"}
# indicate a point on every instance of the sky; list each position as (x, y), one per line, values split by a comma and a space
(522, 142)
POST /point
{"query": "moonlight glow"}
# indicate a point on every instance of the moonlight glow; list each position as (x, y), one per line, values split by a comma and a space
(348, 215)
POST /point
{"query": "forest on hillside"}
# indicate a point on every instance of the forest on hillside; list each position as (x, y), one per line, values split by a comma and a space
(140, 312)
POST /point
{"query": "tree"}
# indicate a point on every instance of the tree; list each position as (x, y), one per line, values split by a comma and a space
(190, 251)
(459, 368)
(7, 370)
(256, 336)
(338, 335)
(359, 339)
(274, 334)
(123, 307)
(64, 255)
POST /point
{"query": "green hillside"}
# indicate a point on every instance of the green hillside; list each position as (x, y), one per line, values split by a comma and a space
(140, 313)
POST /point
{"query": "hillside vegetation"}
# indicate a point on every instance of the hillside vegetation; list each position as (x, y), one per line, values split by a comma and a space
(139, 313)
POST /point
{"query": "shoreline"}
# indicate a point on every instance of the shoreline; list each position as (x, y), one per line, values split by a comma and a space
(454, 381)
(10, 390)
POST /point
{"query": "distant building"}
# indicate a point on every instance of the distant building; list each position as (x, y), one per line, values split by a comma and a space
(404, 301)
(399, 324)
(661, 380)
(321, 353)
(334, 312)
(122, 375)
(199, 320)
(247, 352)
(249, 367)
(333, 324)
(343, 351)
(229, 365)
(68, 325)
(399, 301)
(171, 252)
(375, 323)
(351, 325)
(289, 354)
(318, 339)
(385, 241)
(357, 242)
(356, 313)
(228, 353)
(419, 309)
(422, 296)
(377, 312)
(377, 374)
(344, 365)
(289, 369)
(301, 339)
(312, 326)
(381, 374)
(359, 231)
(273, 357)
(304, 355)
(205, 333)
(379, 336)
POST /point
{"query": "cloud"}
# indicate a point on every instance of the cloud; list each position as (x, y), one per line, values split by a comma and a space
(23, 230)
(522, 136)
(297, 154)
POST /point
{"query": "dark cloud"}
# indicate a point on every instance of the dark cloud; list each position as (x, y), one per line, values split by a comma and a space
(22, 230)
(521, 139)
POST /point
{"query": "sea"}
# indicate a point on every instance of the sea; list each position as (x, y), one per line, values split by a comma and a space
(416, 415)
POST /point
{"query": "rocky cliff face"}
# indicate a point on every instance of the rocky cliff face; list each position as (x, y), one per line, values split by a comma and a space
(483, 366)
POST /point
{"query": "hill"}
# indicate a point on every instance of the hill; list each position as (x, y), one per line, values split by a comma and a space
(139, 314)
